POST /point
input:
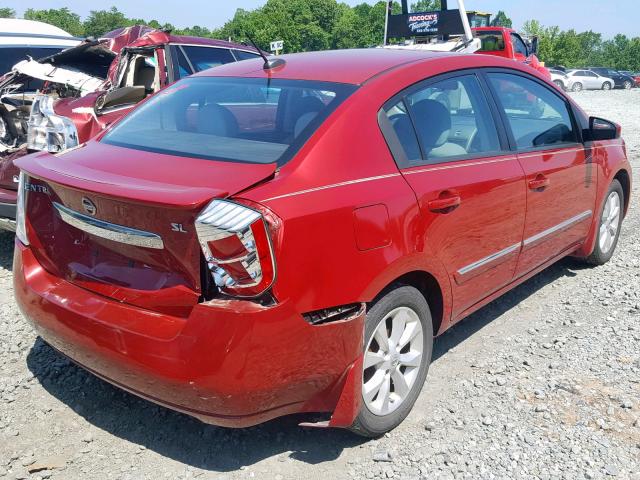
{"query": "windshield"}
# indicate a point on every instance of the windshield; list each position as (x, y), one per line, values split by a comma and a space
(250, 120)
(9, 56)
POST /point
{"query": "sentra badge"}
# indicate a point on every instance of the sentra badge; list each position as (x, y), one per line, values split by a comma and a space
(31, 187)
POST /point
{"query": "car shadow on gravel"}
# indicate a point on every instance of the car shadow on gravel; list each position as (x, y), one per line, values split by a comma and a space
(178, 436)
(193, 443)
(475, 322)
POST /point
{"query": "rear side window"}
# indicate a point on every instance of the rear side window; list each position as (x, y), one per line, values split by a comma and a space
(250, 120)
(207, 57)
(444, 121)
(242, 55)
(537, 116)
(490, 41)
(181, 65)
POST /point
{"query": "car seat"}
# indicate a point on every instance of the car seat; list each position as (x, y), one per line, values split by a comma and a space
(433, 125)
(406, 136)
(214, 119)
(304, 111)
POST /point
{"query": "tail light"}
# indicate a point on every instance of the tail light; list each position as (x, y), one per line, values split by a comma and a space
(47, 131)
(236, 243)
(21, 227)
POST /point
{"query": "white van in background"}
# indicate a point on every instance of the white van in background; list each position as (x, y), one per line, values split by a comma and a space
(21, 38)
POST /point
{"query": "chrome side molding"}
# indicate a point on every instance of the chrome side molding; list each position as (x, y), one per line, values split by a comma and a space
(479, 266)
(556, 228)
(489, 259)
(109, 231)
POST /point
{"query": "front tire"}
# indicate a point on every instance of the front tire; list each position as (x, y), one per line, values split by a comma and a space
(397, 355)
(577, 87)
(559, 84)
(609, 225)
(606, 86)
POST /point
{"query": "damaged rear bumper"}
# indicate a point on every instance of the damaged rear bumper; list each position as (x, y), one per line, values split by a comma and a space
(231, 363)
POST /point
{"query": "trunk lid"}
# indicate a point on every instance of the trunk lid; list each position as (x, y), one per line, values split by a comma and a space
(80, 203)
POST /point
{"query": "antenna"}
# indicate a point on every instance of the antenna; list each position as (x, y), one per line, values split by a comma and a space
(269, 63)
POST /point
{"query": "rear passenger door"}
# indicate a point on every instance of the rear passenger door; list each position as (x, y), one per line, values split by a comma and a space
(560, 179)
(470, 188)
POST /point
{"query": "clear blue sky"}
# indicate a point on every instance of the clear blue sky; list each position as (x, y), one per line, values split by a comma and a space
(605, 16)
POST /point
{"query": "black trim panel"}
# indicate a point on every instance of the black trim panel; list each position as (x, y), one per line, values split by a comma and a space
(8, 210)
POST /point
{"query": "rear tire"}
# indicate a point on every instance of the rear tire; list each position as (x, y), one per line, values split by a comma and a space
(627, 85)
(577, 87)
(606, 86)
(609, 224)
(401, 315)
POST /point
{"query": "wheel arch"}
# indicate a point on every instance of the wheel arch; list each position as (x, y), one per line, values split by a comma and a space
(625, 180)
(428, 285)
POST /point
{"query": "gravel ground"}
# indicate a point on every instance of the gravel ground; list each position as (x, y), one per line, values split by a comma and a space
(543, 383)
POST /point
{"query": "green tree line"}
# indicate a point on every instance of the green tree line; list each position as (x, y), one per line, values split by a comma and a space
(585, 49)
(307, 25)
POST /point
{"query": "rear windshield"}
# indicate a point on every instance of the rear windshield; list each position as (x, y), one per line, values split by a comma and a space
(490, 41)
(249, 120)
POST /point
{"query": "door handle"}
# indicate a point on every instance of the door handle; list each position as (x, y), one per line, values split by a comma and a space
(539, 183)
(445, 203)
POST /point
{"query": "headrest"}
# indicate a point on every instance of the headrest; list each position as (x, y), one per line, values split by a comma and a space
(214, 119)
(433, 123)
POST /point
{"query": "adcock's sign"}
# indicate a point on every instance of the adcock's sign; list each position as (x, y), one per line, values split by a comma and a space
(444, 22)
(423, 23)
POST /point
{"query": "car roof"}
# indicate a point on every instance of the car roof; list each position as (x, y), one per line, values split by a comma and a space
(17, 32)
(21, 26)
(143, 36)
(354, 66)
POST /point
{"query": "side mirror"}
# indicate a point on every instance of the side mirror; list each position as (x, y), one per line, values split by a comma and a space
(601, 129)
(534, 46)
(120, 97)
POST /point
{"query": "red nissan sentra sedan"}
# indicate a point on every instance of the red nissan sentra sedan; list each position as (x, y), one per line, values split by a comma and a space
(255, 241)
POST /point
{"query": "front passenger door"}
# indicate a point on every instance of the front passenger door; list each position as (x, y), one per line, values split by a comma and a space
(560, 179)
(591, 80)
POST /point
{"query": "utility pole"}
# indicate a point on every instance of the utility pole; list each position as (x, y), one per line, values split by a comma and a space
(386, 21)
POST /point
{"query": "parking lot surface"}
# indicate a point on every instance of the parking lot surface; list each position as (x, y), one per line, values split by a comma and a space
(543, 383)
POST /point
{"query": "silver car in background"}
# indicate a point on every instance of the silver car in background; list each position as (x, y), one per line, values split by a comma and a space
(587, 80)
(560, 78)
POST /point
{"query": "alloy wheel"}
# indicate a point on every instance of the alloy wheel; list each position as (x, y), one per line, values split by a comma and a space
(392, 361)
(627, 85)
(577, 87)
(606, 86)
(610, 222)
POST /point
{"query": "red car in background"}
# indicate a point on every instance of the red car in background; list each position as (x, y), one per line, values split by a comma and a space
(634, 75)
(90, 86)
(260, 240)
(507, 43)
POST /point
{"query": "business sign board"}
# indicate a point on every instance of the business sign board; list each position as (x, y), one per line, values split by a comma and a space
(423, 23)
(277, 45)
(444, 22)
